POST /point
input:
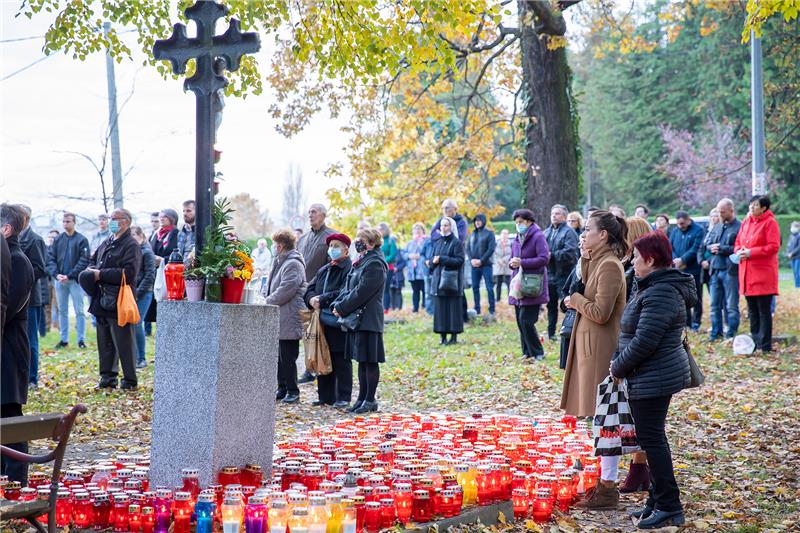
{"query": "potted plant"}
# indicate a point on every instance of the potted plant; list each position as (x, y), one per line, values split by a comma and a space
(224, 261)
(194, 279)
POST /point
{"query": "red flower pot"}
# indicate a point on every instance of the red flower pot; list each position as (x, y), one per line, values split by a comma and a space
(232, 290)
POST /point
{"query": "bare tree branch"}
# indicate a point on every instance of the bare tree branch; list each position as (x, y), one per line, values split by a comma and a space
(480, 78)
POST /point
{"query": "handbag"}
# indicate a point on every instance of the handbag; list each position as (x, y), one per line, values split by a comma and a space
(127, 310)
(696, 376)
(352, 321)
(448, 282)
(568, 323)
(108, 297)
(532, 285)
(328, 319)
(613, 427)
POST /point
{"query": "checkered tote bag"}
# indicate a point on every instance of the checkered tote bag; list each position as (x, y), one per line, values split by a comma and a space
(613, 429)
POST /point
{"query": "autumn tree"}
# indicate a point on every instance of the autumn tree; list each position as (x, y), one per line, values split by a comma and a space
(294, 196)
(249, 220)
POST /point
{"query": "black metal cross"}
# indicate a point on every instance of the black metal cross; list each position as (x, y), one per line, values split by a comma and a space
(209, 50)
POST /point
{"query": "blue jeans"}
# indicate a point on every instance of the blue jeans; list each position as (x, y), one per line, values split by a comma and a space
(484, 272)
(796, 271)
(428, 299)
(724, 294)
(65, 290)
(34, 313)
(143, 304)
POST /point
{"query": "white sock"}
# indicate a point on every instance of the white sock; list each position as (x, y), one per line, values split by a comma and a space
(610, 467)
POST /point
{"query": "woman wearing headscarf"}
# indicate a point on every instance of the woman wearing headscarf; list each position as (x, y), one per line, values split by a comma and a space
(360, 306)
(335, 388)
(447, 282)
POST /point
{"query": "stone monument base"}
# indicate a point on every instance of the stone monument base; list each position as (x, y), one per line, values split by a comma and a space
(215, 380)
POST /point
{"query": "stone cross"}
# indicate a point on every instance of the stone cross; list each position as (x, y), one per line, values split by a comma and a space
(210, 52)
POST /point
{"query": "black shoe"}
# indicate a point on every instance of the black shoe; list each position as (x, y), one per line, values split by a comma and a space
(443, 342)
(659, 519)
(128, 386)
(81, 344)
(291, 398)
(318, 403)
(307, 377)
(61, 344)
(715, 338)
(367, 407)
(106, 385)
(280, 395)
(642, 513)
(553, 338)
(525, 357)
(341, 404)
(355, 406)
(452, 342)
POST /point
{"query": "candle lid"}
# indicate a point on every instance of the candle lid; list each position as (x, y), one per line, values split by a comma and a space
(101, 497)
(190, 472)
(317, 500)
(374, 505)
(182, 496)
(163, 493)
(120, 497)
(257, 499)
(421, 494)
(229, 470)
(333, 498)
(81, 496)
(232, 499)
(134, 508)
(279, 504)
(147, 510)
(206, 497)
(300, 511)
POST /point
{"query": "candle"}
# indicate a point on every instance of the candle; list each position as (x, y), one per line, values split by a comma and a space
(278, 518)
(134, 518)
(484, 485)
(335, 513)
(421, 506)
(181, 512)
(565, 494)
(204, 512)
(120, 510)
(191, 482)
(163, 510)
(82, 512)
(12, 490)
(519, 500)
(542, 505)
(63, 508)
(102, 511)
(148, 519)
(255, 515)
(589, 476)
(403, 500)
(361, 508)
(372, 517)
(231, 513)
(447, 503)
(317, 515)
(27, 494)
(229, 475)
(252, 475)
(387, 512)
(349, 522)
(299, 521)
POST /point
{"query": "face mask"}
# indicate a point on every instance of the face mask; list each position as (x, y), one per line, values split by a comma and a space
(334, 252)
(113, 225)
(521, 229)
(360, 247)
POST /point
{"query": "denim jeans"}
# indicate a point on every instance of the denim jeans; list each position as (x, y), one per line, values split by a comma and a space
(484, 272)
(428, 299)
(796, 271)
(65, 290)
(724, 295)
(142, 304)
(34, 314)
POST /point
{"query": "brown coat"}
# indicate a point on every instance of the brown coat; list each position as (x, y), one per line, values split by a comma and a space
(596, 331)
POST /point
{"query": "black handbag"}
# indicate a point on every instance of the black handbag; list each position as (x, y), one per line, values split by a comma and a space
(108, 297)
(328, 319)
(568, 323)
(352, 321)
(448, 282)
(696, 376)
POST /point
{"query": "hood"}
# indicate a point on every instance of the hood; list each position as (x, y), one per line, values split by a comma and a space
(482, 218)
(293, 254)
(683, 282)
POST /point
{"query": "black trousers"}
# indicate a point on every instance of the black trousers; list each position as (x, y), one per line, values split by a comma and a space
(650, 417)
(288, 350)
(498, 285)
(396, 298)
(554, 289)
(116, 345)
(338, 385)
(369, 374)
(759, 308)
(527, 315)
(15, 470)
(695, 316)
(417, 294)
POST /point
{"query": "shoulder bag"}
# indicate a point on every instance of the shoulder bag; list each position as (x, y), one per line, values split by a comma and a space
(448, 282)
(532, 285)
(696, 376)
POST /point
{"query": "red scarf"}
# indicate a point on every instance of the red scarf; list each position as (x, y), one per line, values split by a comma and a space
(163, 234)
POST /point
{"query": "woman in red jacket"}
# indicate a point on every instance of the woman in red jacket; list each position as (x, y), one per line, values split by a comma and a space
(757, 247)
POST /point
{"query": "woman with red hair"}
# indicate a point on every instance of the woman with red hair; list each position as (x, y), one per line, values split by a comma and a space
(652, 358)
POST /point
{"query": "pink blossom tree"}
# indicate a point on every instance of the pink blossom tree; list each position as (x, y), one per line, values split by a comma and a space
(707, 166)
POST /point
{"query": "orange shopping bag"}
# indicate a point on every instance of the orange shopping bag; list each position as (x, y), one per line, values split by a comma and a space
(127, 310)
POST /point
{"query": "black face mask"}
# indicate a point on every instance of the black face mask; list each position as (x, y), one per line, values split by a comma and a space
(360, 247)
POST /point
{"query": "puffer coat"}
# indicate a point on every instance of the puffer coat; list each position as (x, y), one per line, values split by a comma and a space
(651, 354)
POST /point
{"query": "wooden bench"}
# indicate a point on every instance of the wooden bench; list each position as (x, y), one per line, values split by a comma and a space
(25, 428)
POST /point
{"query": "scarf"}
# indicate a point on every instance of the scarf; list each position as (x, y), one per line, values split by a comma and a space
(163, 234)
(453, 227)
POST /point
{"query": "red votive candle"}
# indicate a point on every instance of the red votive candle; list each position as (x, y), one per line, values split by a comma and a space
(372, 517)
(182, 512)
(519, 500)
(421, 506)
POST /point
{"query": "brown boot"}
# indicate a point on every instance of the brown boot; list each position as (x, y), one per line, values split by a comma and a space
(601, 499)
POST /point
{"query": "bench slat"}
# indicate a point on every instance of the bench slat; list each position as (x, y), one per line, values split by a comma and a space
(29, 427)
(10, 510)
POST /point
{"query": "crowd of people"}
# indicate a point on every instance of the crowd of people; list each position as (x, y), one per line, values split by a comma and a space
(625, 288)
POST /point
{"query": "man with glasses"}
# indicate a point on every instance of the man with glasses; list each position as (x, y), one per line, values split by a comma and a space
(66, 259)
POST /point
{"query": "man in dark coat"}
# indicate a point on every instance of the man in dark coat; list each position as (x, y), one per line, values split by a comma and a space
(686, 241)
(480, 249)
(16, 351)
(724, 273)
(33, 246)
(562, 241)
(102, 280)
(66, 259)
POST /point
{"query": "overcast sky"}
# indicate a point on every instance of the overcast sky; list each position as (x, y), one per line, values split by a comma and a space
(60, 105)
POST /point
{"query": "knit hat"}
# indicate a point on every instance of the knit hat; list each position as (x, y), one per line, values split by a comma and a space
(341, 237)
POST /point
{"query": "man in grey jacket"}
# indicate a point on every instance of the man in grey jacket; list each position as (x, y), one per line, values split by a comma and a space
(563, 244)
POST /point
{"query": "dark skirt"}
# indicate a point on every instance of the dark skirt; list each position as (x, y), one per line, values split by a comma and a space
(364, 346)
(448, 314)
(335, 338)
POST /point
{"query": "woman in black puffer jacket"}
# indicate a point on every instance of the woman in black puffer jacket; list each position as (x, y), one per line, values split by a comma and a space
(652, 358)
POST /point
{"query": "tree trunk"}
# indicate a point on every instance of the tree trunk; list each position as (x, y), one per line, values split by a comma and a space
(550, 137)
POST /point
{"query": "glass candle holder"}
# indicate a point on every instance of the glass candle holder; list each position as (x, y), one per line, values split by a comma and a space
(542, 508)
(102, 511)
(519, 500)
(278, 518)
(361, 508)
(120, 510)
(231, 513)
(228, 475)
(12, 490)
(421, 506)
(298, 523)
(484, 485)
(191, 482)
(252, 475)
(447, 503)
(372, 517)
(63, 508)
(182, 512)
(148, 519)
(403, 500)
(82, 512)
(565, 492)
(349, 522)
(255, 515)
(134, 518)
(204, 512)
(317, 515)
(388, 513)
(163, 510)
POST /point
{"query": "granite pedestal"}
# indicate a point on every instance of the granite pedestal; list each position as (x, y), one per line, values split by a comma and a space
(215, 380)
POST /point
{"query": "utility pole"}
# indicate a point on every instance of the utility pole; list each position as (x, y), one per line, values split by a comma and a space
(113, 124)
(759, 172)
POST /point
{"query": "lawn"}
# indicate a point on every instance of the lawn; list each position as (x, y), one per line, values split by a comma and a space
(735, 441)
